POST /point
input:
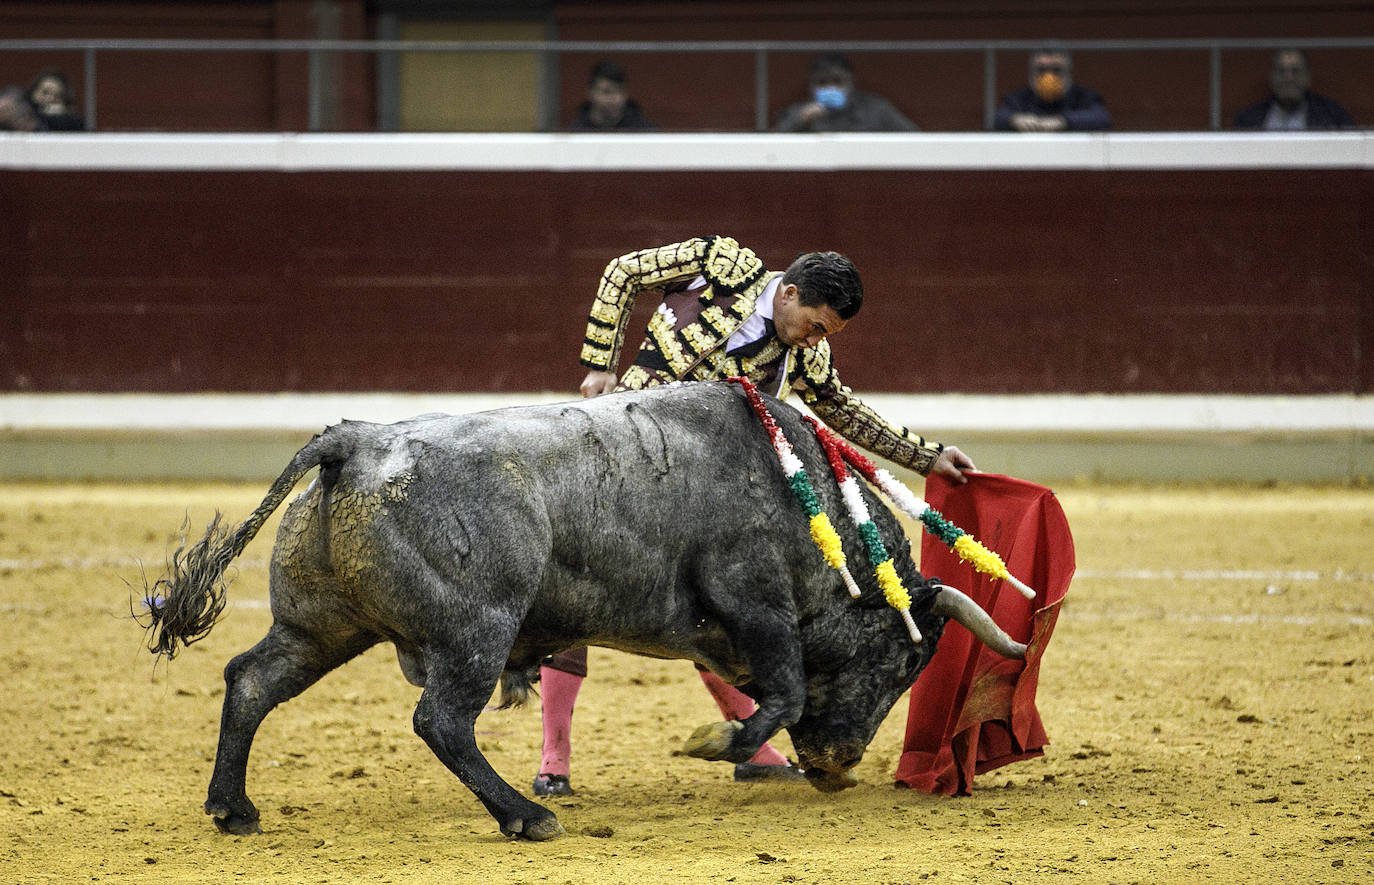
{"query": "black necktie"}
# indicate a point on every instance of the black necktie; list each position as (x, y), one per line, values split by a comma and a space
(744, 351)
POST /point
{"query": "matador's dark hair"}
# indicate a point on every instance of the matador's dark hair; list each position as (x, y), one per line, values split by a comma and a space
(827, 278)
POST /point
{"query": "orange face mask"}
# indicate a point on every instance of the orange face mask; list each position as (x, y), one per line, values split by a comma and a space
(1049, 86)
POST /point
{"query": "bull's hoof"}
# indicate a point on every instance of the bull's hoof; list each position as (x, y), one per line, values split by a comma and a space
(712, 741)
(540, 829)
(831, 781)
(236, 822)
(543, 830)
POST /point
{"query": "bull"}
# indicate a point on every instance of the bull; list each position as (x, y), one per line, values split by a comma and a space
(655, 522)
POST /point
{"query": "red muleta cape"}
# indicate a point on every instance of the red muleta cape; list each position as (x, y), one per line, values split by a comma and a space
(971, 710)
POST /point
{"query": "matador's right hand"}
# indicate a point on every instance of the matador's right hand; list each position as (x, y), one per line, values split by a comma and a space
(597, 382)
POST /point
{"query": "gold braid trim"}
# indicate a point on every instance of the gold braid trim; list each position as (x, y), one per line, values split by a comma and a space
(623, 279)
(850, 417)
(730, 267)
(750, 365)
(637, 378)
(661, 334)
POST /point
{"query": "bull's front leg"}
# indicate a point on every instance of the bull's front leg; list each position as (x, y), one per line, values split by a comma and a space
(771, 650)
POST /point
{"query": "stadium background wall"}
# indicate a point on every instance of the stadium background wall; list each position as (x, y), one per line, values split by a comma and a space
(1204, 281)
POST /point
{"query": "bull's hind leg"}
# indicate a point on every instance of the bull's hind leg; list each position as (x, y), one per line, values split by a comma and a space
(460, 683)
(285, 663)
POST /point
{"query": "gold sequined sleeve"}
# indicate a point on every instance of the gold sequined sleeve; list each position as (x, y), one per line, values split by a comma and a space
(726, 265)
(850, 417)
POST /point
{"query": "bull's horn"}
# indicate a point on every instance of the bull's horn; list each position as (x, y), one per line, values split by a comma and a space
(953, 604)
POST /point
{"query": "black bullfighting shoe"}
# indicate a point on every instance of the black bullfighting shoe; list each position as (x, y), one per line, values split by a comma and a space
(552, 785)
(748, 772)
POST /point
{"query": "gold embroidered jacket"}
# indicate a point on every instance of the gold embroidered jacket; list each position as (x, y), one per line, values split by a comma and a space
(685, 340)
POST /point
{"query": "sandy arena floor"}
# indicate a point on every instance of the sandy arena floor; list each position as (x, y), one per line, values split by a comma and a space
(1209, 695)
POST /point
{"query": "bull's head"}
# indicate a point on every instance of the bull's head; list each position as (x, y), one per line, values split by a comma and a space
(859, 660)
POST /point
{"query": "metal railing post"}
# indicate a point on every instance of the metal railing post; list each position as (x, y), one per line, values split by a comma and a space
(1214, 88)
(989, 88)
(760, 90)
(314, 83)
(387, 65)
(89, 98)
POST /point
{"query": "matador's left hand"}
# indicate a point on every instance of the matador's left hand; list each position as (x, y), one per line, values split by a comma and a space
(951, 465)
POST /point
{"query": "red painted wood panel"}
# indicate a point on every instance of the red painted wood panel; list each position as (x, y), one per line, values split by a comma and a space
(1216, 282)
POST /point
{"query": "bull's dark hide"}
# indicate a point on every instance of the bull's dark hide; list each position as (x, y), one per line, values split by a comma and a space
(655, 522)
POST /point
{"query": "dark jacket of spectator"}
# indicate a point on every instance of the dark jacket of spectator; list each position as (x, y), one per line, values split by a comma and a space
(1082, 109)
(633, 120)
(1322, 113)
(65, 122)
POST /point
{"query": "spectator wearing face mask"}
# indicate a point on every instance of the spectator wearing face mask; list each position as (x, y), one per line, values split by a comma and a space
(1291, 105)
(836, 106)
(1052, 102)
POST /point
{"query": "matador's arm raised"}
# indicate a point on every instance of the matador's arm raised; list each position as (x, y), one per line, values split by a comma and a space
(726, 265)
(849, 416)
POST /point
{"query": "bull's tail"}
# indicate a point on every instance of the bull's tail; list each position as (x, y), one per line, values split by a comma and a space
(516, 687)
(184, 604)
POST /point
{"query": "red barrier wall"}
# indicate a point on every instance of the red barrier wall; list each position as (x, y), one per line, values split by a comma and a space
(1128, 281)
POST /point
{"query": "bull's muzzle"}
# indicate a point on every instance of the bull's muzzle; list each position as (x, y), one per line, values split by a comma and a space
(832, 770)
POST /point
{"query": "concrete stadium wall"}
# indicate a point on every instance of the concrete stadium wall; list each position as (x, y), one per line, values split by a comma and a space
(151, 276)
(1003, 269)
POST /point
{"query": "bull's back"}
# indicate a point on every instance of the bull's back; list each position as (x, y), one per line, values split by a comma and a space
(602, 503)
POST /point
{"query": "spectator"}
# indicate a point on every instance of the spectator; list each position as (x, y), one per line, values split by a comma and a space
(836, 106)
(1290, 104)
(51, 97)
(16, 114)
(1052, 102)
(608, 107)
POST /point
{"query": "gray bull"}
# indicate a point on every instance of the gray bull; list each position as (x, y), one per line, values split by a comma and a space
(656, 522)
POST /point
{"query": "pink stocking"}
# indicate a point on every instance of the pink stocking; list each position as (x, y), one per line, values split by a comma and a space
(735, 704)
(558, 691)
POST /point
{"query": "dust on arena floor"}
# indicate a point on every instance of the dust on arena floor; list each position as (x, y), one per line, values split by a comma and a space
(1207, 695)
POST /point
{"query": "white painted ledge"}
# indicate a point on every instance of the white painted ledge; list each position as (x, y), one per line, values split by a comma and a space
(294, 152)
(1074, 414)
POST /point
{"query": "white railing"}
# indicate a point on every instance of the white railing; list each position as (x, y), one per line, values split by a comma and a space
(283, 152)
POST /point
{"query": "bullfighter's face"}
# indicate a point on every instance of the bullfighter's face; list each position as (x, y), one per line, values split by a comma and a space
(802, 325)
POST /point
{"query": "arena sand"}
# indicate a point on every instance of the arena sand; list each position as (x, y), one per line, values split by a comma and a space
(1208, 696)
